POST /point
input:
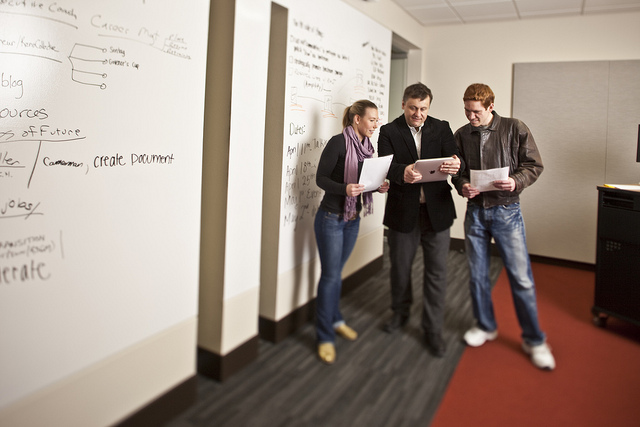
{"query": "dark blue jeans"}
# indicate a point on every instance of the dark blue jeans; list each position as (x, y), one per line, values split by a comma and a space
(506, 226)
(336, 239)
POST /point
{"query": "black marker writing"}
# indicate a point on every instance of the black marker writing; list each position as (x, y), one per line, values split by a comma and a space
(109, 161)
(8, 162)
(23, 273)
(27, 113)
(8, 82)
(148, 159)
(17, 208)
(46, 130)
(48, 162)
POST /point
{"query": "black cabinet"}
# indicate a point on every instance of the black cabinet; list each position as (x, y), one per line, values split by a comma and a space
(617, 291)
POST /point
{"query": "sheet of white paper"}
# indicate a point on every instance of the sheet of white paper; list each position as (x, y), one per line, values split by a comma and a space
(482, 179)
(374, 172)
(630, 187)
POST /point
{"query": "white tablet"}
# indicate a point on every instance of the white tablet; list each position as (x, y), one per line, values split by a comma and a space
(430, 169)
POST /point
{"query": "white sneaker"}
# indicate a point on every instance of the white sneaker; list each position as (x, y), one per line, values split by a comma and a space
(540, 355)
(475, 336)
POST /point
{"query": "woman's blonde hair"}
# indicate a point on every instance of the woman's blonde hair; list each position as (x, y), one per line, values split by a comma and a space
(358, 108)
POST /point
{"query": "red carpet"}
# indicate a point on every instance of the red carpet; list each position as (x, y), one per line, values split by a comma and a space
(596, 381)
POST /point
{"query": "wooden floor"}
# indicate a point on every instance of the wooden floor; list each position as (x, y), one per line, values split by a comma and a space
(379, 380)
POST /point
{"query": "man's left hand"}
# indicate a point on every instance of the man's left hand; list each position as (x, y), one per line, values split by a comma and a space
(451, 166)
(505, 184)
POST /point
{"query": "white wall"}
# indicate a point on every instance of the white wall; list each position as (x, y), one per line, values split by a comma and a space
(109, 323)
(246, 152)
(294, 287)
(459, 55)
(390, 15)
(232, 174)
(229, 315)
(407, 32)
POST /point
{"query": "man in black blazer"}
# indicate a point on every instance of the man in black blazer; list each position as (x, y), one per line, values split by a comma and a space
(418, 213)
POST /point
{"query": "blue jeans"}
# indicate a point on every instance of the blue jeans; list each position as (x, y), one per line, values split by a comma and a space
(336, 239)
(505, 224)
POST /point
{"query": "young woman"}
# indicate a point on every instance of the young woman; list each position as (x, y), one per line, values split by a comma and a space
(338, 218)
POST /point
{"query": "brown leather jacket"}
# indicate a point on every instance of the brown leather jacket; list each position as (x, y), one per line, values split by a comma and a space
(506, 142)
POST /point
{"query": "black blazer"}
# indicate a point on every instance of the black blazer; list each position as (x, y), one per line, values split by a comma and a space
(403, 200)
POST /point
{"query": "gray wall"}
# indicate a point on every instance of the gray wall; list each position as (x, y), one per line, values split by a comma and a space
(584, 117)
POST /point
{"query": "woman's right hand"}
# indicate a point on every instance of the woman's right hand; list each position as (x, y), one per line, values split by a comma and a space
(354, 190)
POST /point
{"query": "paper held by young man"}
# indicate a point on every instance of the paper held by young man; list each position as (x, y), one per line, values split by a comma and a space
(430, 169)
(482, 180)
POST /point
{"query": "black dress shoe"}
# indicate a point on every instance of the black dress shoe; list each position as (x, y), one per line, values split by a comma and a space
(435, 344)
(396, 321)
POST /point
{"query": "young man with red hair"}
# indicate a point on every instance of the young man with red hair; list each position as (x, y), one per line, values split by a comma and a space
(490, 141)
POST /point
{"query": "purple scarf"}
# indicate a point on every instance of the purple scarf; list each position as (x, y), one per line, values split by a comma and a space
(356, 152)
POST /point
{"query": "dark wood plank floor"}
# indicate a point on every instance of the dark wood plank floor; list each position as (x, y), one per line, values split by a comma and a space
(379, 380)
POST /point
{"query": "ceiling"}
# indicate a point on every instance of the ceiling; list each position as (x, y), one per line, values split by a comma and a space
(447, 12)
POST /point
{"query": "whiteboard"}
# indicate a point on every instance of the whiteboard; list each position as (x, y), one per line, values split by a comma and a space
(335, 56)
(101, 116)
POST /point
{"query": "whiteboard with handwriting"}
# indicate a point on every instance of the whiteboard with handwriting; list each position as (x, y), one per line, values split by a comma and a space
(335, 56)
(101, 116)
